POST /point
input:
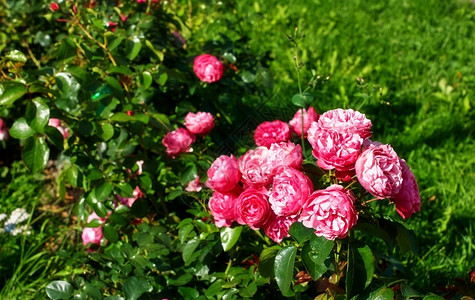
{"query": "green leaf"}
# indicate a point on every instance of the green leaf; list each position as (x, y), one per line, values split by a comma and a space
(159, 54)
(299, 101)
(248, 77)
(134, 287)
(100, 209)
(122, 117)
(16, 55)
(360, 269)
(103, 191)
(74, 176)
(382, 293)
(21, 130)
(284, 269)
(106, 132)
(189, 249)
(69, 89)
(118, 219)
(54, 137)
(184, 231)
(189, 174)
(37, 114)
(12, 94)
(230, 57)
(146, 79)
(266, 261)
(229, 236)
(59, 289)
(67, 49)
(133, 46)
(314, 255)
(110, 233)
(406, 239)
(35, 154)
(408, 292)
(188, 292)
(301, 233)
(433, 297)
(120, 70)
(113, 41)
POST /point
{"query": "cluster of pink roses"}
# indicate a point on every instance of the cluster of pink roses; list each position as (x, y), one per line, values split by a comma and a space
(266, 188)
(180, 140)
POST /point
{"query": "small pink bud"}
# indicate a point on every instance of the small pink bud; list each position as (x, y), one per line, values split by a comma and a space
(54, 6)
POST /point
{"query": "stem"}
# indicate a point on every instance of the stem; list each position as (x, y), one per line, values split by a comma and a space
(369, 201)
(302, 133)
(103, 46)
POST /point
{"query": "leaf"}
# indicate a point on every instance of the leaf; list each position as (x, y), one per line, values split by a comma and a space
(37, 114)
(299, 101)
(134, 287)
(21, 130)
(133, 46)
(284, 269)
(266, 261)
(100, 209)
(159, 54)
(406, 239)
(110, 233)
(360, 269)
(433, 297)
(54, 137)
(113, 41)
(122, 117)
(184, 231)
(230, 57)
(314, 255)
(248, 77)
(189, 174)
(103, 191)
(146, 79)
(382, 293)
(16, 55)
(69, 89)
(67, 49)
(92, 291)
(408, 292)
(301, 233)
(188, 292)
(106, 132)
(189, 249)
(59, 289)
(12, 94)
(229, 236)
(35, 154)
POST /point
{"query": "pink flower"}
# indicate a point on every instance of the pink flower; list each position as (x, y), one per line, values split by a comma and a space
(290, 189)
(330, 212)
(54, 6)
(194, 185)
(408, 200)
(124, 18)
(57, 124)
(309, 117)
(256, 167)
(252, 208)
(3, 130)
(178, 141)
(92, 235)
(285, 154)
(278, 227)
(271, 132)
(199, 123)
(222, 206)
(341, 120)
(333, 149)
(223, 175)
(141, 1)
(379, 171)
(130, 201)
(208, 68)
(112, 25)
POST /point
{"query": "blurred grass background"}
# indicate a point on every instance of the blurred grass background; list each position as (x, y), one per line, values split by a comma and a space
(417, 62)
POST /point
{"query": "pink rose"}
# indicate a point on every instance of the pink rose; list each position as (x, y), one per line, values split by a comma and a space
(54, 6)
(271, 132)
(194, 185)
(341, 120)
(130, 201)
(379, 171)
(199, 123)
(223, 175)
(56, 123)
(178, 141)
(3, 130)
(278, 227)
(252, 208)
(334, 150)
(92, 235)
(290, 189)
(208, 68)
(330, 212)
(285, 154)
(256, 167)
(408, 200)
(141, 1)
(222, 206)
(309, 117)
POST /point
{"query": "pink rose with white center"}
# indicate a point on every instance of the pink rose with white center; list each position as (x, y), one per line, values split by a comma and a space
(56, 123)
(223, 175)
(194, 185)
(334, 150)
(178, 141)
(253, 208)
(277, 228)
(222, 206)
(408, 200)
(200, 123)
(330, 212)
(130, 201)
(3, 130)
(290, 189)
(92, 235)
(271, 132)
(379, 171)
(208, 68)
(256, 167)
(345, 120)
(309, 117)
(285, 154)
